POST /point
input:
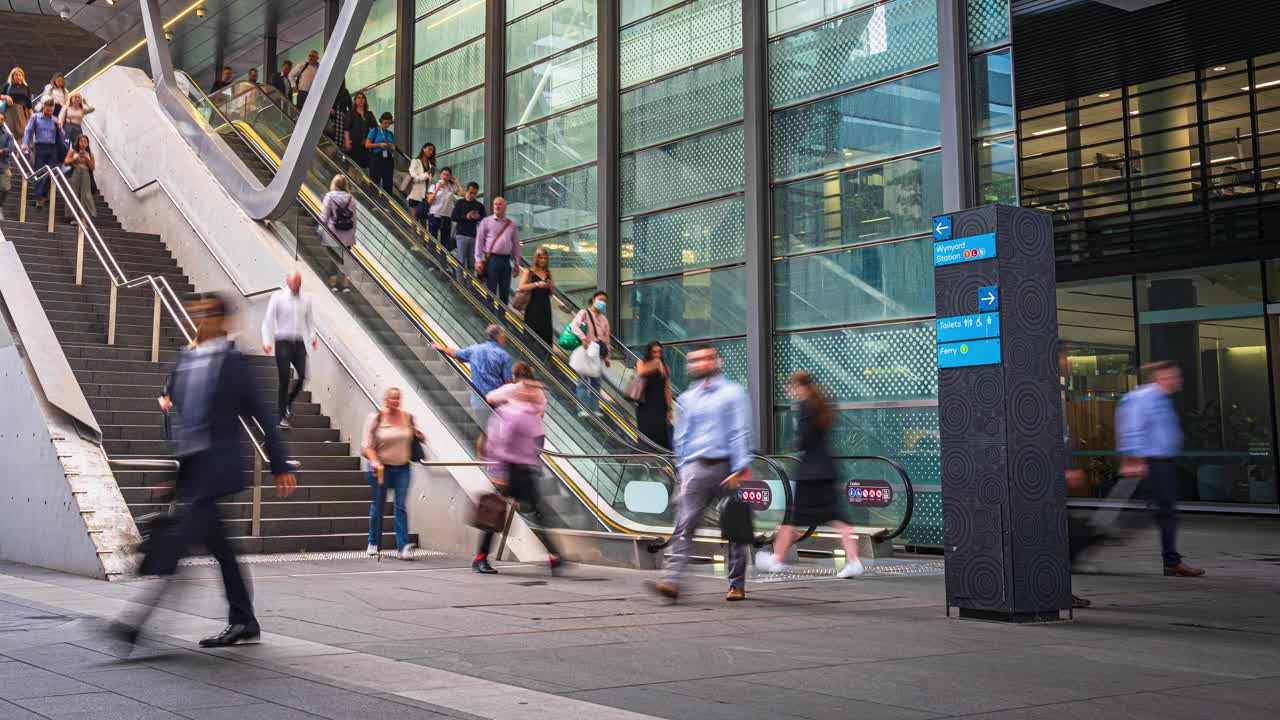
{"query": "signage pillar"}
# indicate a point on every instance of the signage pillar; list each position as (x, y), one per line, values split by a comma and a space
(1000, 415)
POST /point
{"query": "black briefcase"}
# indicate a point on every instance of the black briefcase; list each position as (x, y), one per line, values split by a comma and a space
(736, 525)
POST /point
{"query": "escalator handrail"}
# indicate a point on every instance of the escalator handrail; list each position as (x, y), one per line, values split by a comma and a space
(908, 489)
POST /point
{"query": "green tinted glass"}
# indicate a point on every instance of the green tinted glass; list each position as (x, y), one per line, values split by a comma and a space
(881, 282)
(451, 123)
(553, 145)
(686, 239)
(450, 27)
(552, 205)
(702, 98)
(685, 36)
(709, 304)
(449, 75)
(699, 167)
(896, 362)
(550, 30)
(551, 86)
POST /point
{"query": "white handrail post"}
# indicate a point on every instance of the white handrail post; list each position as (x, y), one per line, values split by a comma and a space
(111, 316)
(53, 200)
(79, 254)
(22, 206)
(155, 326)
(255, 526)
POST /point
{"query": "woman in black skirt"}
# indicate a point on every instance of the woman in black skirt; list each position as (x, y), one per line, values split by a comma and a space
(816, 499)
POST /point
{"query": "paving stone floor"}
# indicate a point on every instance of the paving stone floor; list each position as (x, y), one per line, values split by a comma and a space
(351, 638)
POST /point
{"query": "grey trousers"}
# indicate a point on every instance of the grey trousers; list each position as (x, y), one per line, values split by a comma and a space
(466, 255)
(700, 487)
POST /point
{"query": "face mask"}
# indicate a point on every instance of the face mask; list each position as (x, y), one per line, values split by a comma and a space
(600, 305)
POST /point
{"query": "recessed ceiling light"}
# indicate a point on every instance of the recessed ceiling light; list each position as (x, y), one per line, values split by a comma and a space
(1220, 68)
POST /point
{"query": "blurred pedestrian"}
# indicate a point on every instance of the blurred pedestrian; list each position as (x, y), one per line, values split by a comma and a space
(222, 81)
(44, 134)
(389, 435)
(816, 500)
(8, 153)
(1149, 438)
(336, 128)
(56, 89)
(338, 234)
(287, 329)
(211, 388)
(490, 366)
(516, 435)
(653, 415)
(280, 81)
(713, 454)
(498, 251)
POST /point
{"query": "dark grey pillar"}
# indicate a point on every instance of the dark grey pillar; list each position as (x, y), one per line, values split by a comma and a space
(755, 39)
(331, 17)
(270, 27)
(953, 71)
(495, 65)
(404, 76)
(608, 232)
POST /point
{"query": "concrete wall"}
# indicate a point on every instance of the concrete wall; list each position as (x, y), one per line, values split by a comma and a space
(137, 143)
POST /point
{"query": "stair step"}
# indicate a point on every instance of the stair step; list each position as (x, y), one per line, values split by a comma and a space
(298, 449)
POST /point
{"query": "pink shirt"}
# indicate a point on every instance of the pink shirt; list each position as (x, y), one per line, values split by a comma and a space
(498, 237)
(601, 327)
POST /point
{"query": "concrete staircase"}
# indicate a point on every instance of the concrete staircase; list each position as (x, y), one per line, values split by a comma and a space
(329, 510)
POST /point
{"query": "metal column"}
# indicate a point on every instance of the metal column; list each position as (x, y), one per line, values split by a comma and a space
(957, 135)
(331, 8)
(270, 48)
(495, 66)
(609, 144)
(755, 38)
(404, 75)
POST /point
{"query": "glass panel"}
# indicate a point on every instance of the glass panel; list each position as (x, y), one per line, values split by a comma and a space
(896, 117)
(896, 362)
(516, 8)
(997, 163)
(451, 123)
(787, 15)
(372, 64)
(685, 36)
(448, 28)
(1045, 123)
(682, 172)
(381, 20)
(882, 282)
(572, 256)
(1099, 112)
(685, 239)
(858, 206)
(1216, 85)
(885, 40)
(1164, 98)
(466, 163)
(382, 97)
(298, 53)
(993, 94)
(549, 87)
(988, 23)
(1229, 107)
(633, 10)
(684, 104)
(1221, 286)
(554, 204)
(550, 146)
(1141, 123)
(708, 304)
(449, 75)
(422, 7)
(550, 30)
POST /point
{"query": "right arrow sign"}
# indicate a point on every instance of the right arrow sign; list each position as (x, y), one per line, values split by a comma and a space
(988, 298)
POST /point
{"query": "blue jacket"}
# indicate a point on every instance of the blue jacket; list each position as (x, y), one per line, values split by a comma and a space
(221, 470)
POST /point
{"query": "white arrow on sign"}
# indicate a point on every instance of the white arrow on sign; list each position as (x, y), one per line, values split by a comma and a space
(941, 226)
(990, 298)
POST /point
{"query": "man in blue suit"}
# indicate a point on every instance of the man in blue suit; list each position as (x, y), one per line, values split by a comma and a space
(211, 388)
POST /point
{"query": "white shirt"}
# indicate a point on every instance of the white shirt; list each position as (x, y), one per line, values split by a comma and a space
(442, 205)
(288, 317)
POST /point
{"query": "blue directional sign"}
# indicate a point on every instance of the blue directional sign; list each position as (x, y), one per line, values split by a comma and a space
(968, 327)
(942, 228)
(965, 249)
(969, 353)
(988, 298)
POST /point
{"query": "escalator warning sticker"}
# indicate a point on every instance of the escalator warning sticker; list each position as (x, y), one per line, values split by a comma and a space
(869, 493)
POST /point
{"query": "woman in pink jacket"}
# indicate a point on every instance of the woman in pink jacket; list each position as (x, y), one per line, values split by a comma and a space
(591, 325)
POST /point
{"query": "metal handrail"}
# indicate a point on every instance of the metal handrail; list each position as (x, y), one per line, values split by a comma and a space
(908, 488)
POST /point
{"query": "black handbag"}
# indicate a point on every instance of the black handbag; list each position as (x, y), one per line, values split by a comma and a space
(736, 525)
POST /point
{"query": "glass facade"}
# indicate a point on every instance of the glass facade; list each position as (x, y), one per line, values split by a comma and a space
(373, 66)
(448, 84)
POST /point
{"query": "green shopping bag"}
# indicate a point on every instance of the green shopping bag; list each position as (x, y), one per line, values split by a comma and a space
(569, 340)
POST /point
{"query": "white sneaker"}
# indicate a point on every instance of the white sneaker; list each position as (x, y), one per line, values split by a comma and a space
(372, 550)
(851, 569)
(406, 553)
(767, 563)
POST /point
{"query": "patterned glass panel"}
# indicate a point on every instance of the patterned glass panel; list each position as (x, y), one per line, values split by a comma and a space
(572, 256)
(733, 359)
(553, 145)
(997, 170)
(879, 42)
(298, 53)
(883, 363)
(449, 75)
(881, 282)
(709, 304)
(988, 22)
(550, 30)
(684, 104)
(555, 204)
(992, 80)
(549, 87)
(448, 28)
(686, 239)
(381, 20)
(452, 123)
(858, 206)
(467, 164)
(422, 7)
(787, 15)
(518, 8)
(382, 98)
(633, 10)
(372, 64)
(889, 119)
(685, 36)
(697, 168)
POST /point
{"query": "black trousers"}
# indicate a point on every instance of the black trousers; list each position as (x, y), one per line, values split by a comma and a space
(302, 98)
(381, 170)
(1160, 489)
(290, 353)
(201, 524)
(521, 488)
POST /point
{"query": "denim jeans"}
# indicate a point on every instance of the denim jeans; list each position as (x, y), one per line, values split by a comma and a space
(497, 277)
(466, 255)
(589, 400)
(394, 477)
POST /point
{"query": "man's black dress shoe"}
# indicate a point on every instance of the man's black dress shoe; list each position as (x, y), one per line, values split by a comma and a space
(233, 634)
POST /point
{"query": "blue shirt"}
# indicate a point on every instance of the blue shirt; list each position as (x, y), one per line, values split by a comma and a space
(7, 151)
(379, 135)
(45, 130)
(490, 365)
(1147, 425)
(714, 423)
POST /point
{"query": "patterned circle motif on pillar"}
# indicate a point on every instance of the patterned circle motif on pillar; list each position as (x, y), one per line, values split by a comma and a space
(1019, 355)
(1032, 470)
(986, 388)
(1028, 413)
(1029, 235)
(992, 490)
(1046, 579)
(957, 527)
(957, 469)
(956, 415)
(984, 581)
(1029, 297)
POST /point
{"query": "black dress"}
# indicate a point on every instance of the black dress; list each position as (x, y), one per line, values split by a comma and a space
(537, 315)
(816, 479)
(359, 126)
(651, 416)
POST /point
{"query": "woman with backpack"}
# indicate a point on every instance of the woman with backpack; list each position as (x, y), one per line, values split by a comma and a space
(514, 440)
(338, 233)
(389, 437)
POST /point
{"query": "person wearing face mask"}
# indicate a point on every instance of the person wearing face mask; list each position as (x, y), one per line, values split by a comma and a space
(713, 455)
(591, 326)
